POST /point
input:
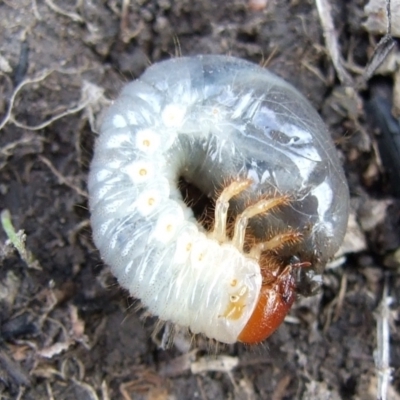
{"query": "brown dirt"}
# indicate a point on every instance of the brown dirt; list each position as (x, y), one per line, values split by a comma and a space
(67, 330)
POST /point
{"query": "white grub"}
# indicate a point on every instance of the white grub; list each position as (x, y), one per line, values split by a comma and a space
(209, 121)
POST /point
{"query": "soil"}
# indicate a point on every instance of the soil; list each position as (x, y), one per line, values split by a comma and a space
(68, 331)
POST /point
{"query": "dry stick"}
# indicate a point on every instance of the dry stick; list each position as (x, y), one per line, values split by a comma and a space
(74, 110)
(90, 392)
(74, 16)
(177, 44)
(7, 150)
(89, 95)
(125, 33)
(35, 10)
(382, 49)
(331, 40)
(62, 179)
(27, 81)
(382, 353)
(105, 392)
(340, 298)
(49, 390)
(124, 20)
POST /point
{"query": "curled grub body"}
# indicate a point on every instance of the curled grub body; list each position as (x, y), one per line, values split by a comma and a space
(254, 146)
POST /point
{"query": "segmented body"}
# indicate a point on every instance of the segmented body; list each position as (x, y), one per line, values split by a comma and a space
(212, 120)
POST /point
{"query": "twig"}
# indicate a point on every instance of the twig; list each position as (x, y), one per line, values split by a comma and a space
(341, 296)
(6, 150)
(382, 49)
(62, 179)
(90, 96)
(220, 363)
(382, 352)
(331, 41)
(105, 393)
(74, 16)
(49, 391)
(73, 110)
(35, 10)
(125, 34)
(27, 81)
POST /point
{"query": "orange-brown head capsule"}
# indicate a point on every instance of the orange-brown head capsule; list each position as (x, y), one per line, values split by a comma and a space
(274, 302)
